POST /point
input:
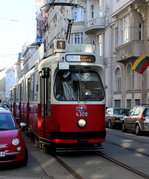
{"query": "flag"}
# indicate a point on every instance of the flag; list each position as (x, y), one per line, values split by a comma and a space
(141, 64)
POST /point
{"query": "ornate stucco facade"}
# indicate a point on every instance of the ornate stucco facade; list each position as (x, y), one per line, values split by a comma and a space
(130, 40)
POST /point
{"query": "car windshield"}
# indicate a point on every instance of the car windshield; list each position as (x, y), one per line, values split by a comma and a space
(121, 111)
(7, 122)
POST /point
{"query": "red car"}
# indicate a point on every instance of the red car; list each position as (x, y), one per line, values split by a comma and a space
(12, 144)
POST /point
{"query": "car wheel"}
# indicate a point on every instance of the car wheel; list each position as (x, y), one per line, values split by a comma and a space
(110, 124)
(123, 127)
(137, 130)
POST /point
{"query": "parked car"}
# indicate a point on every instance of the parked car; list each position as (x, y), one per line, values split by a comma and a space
(114, 117)
(138, 120)
(12, 144)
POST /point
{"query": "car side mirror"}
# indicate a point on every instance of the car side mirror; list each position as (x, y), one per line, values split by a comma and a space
(22, 125)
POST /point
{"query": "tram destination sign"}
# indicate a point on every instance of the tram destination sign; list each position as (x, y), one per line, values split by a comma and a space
(80, 58)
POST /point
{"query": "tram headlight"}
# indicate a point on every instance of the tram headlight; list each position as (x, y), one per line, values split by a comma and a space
(81, 123)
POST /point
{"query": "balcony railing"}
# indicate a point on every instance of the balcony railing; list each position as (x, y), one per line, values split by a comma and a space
(95, 24)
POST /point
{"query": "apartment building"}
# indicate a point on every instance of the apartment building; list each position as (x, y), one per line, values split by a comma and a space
(119, 31)
(130, 35)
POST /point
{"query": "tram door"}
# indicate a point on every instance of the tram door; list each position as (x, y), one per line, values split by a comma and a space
(45, 101)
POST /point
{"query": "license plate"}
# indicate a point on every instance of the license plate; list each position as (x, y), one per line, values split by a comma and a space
(2, 154)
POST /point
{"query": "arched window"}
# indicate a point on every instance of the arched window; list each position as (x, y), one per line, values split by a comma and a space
(118, 80)
(129, 78)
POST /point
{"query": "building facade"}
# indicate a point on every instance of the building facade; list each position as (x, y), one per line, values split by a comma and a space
(130, 23)
(11, 77)
(119, 31)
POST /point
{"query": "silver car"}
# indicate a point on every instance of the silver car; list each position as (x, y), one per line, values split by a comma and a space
(138, 120)
(114, 117)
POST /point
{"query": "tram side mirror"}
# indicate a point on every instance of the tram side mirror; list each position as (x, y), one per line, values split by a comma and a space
(44, 73)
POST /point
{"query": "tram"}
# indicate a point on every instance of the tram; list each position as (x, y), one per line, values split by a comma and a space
(62, 98)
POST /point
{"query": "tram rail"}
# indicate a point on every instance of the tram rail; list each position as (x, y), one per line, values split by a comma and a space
(123, 165)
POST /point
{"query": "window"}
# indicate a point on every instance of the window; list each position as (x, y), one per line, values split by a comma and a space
(77, 14)
(100, 41)
(34, 87)
(116, 37)
(147, 112)
(48, 95)
(136, 111)
(129, 103)
(100, 8)
(137, 101)
(77, 38)
(124, 30)
(31, 87)
(7, 122)
(129, 78)
(118, 85)
(117, 103)
(137, 81)
(92, 12)
(78, 86)
(140, 32)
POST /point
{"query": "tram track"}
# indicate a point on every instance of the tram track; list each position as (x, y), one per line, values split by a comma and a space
(123, 165)
(68, 167)
(101, 154)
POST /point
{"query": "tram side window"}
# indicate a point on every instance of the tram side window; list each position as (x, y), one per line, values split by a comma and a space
(17, 94)
(24, 91)
(34, 87)
(45, 94)
(21, 92)
(13, 95)
(48, 97)
(41, 90)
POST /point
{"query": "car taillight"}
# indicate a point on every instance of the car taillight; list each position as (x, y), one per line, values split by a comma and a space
(143, 117)
(117, 118)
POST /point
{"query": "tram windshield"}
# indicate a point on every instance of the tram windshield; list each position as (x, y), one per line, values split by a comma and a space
(78, 86)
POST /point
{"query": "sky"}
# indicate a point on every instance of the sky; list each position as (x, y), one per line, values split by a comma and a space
(17, 27)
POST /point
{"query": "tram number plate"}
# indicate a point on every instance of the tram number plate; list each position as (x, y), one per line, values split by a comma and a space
(2, 154)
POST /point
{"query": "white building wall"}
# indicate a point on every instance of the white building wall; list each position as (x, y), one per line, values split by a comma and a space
(10, 81)
(2, 85)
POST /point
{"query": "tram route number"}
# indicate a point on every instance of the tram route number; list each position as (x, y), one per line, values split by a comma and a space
(81, 114)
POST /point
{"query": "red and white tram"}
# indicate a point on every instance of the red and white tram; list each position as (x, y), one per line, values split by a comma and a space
(62, 99)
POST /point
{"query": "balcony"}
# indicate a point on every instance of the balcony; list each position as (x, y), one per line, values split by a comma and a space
(94, 25)
(129, 50)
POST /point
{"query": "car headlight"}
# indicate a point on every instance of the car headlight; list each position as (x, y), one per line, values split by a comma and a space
(15, 141)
